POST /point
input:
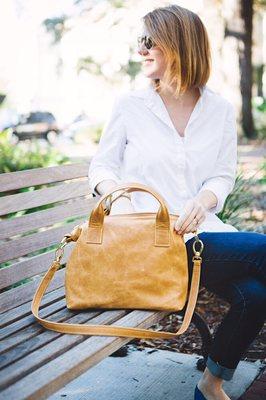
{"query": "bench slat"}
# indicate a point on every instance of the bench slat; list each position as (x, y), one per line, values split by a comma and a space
(50, 377)
(40, 176)
(39, 219)
(44, 196)
(15, 314)
(29, 341)
(29, 320)
(10, 343)
(30, 243)
(30, 267)
(19, 295)
(52, 349)
(27, 325)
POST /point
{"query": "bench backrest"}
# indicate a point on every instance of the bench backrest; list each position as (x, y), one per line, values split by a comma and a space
(28, 234)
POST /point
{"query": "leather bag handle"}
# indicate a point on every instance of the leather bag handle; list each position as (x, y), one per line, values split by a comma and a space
(162, 221)
(112, 330)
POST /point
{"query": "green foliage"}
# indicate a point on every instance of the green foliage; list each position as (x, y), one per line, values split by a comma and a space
(262, 180)
(89, 65)
(117, 3)
(259, 112)
(239, 201)
(132, 69)
(26, 155)
(96, 132)
(261, 3)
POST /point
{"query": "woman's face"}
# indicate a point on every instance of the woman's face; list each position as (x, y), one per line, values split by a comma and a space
(153, 62)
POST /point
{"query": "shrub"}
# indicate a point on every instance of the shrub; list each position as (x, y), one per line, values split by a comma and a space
(27, 154)
(241, 202)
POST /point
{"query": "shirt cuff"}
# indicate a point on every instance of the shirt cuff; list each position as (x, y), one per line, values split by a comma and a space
(99, 177)
(220, 189)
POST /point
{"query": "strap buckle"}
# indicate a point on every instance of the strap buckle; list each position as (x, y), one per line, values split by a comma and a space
(198, 252)
(59, 252)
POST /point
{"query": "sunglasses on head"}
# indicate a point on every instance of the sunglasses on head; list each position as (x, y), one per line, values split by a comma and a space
(147, 41)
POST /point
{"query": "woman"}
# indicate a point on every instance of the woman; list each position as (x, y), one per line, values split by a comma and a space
(179, 137)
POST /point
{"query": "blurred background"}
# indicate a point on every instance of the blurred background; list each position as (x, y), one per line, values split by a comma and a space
(63, 62)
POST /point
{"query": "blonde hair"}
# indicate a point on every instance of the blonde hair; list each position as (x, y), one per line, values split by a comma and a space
(183, 39)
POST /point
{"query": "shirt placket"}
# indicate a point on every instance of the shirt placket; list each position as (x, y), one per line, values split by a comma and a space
(180, 145)
(181, 166)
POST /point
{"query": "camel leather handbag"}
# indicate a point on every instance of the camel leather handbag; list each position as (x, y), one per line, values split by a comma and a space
(125, 261)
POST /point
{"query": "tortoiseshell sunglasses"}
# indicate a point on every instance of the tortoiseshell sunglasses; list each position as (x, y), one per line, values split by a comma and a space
(147, 41)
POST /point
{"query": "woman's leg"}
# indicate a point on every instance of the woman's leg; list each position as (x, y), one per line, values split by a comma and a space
(241, 325)
(233, 267)
(230, 255)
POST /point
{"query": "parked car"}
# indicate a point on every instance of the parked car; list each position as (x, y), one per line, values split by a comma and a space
(37, 124)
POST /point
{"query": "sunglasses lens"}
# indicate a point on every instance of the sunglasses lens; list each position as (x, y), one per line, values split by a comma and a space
(148, 42)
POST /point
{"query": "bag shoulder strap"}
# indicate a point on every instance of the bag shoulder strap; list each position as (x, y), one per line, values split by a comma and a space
(107, 330)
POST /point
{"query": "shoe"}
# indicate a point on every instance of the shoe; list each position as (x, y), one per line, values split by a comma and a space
(198, 395)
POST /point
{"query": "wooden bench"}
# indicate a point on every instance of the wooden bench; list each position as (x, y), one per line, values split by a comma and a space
(36, 362)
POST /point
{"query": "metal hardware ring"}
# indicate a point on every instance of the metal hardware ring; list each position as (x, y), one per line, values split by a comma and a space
(198, 252)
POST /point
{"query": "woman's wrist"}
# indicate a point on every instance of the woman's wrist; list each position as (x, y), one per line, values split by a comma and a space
(207, 198)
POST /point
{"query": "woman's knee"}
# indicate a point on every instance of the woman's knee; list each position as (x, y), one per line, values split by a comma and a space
(250, 295)
(257, 245)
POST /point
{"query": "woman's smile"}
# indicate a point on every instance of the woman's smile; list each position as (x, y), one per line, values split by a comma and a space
(147, 61)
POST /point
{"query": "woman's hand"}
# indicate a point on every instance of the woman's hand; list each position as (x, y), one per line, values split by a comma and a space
(193, 215)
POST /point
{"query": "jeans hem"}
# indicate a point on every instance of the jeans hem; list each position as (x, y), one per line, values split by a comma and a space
(219, 371)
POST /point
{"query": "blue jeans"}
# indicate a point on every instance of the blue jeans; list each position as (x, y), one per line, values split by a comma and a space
(234, 268)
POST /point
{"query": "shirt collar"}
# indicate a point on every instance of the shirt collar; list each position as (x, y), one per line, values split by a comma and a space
(155, 103)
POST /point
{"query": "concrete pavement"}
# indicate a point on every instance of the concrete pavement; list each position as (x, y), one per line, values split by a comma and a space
(150, 375)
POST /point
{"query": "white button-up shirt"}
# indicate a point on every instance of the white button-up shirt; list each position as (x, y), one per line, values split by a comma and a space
(139, 143)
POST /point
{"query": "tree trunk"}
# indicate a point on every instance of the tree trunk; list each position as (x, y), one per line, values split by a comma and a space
(244, 20)
(245, 65)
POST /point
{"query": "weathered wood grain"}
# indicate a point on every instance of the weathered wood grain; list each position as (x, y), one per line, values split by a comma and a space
(30, 267)
(19, 295)
(30, 243)
(23, 310)
(71, 208)
(17, 326)
(40, 197)
(40, 176)
(53, 349)
(47, 378)
(35, 337)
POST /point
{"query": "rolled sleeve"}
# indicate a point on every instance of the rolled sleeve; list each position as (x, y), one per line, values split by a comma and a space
(106, 162)
(222, 180)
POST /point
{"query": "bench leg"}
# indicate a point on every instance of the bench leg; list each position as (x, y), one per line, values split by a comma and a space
(122, 352)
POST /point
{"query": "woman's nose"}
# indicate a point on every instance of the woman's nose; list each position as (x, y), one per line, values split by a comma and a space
(142, 50)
